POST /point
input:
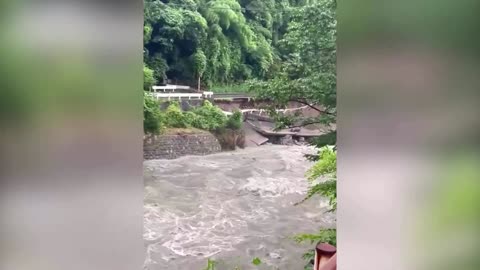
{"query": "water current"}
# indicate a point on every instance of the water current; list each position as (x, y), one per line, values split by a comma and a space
(231, 207)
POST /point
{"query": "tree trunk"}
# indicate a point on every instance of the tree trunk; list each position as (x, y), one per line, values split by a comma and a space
(235, 138)
(198, 84)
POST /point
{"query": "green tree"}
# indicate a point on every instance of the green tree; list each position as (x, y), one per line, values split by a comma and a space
(308, 67)
(235, 46)
(148, 78)
(200, 64)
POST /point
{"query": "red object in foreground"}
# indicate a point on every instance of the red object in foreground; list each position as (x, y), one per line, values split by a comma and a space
(325, 257)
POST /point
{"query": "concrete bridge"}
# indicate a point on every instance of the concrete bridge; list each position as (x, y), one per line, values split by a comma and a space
(203, 95)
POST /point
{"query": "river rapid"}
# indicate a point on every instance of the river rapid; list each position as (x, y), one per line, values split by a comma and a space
(231, 207)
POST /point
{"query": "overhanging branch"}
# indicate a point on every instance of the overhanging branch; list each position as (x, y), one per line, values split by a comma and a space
(312, 106)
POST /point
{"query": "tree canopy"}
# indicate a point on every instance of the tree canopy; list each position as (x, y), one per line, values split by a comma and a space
(222, 41)
(308, 63)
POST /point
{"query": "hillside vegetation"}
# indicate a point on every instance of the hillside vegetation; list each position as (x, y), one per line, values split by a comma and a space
(217, 41)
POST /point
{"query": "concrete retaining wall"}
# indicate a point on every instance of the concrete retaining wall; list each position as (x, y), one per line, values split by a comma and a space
(174, 146)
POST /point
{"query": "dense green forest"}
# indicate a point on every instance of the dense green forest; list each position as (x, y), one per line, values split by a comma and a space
(217, 41)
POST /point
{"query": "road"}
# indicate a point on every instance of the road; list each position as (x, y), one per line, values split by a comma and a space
(231, 96)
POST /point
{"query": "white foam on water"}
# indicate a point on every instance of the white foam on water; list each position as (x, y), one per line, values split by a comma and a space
(214, 228)
(232, 209)
(174, 175)
(210, 164)
(148, 259)
(268, 187)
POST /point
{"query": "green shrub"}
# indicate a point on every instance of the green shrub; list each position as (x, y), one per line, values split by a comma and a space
(148, 78)
(210, 264)
(231, 88)
(323, 236)
(235, 121)
(206, 117)
(152, 116)
(325, 167)
(200, 122)
(190, 118)
(174, 117)
(209, 117)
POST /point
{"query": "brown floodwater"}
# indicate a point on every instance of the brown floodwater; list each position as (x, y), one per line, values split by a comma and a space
(230, 207)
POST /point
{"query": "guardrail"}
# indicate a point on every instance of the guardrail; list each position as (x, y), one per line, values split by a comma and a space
(170, 87)
(178, 96)
(207, 94)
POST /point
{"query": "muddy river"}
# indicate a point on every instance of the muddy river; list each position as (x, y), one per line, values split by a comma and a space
(230, 207)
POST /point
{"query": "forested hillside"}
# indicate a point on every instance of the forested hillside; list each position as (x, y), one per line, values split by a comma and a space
(217, 41)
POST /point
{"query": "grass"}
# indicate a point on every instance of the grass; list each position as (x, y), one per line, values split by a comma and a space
(230, 88)
(183, 131)
(224, 99)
